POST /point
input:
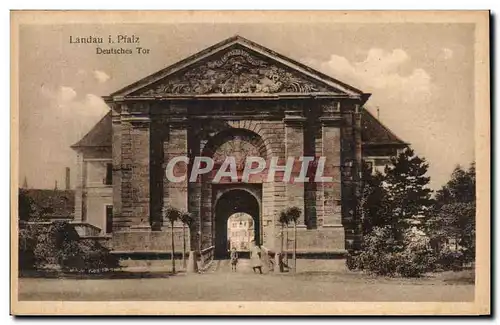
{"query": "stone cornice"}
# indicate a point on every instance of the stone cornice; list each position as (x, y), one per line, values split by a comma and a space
(239, 96)
(178, 120)
(331, 120)
(140, 121)
(294, 117)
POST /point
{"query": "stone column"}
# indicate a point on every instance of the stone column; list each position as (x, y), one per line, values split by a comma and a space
(358, 179)
(195, 145)
(176, 194)
(358, 145)
(137, 157)
(331, 150)
(117, 159)
(294, 147)
(320, 202)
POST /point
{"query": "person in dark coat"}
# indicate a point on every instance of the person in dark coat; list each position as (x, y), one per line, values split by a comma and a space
(234, 259)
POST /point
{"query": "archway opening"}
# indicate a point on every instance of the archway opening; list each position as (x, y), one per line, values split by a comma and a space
(240, 231)
(235, 201)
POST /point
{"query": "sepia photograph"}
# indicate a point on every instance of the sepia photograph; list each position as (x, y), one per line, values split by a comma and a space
(250, 163)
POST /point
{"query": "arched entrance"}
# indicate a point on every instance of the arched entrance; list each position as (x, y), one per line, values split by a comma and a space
(230, 202)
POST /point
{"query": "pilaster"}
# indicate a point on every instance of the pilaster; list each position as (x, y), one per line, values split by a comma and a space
(135, 160)
(117, 173)
(331, 150)
(176, 144)
(294, 147)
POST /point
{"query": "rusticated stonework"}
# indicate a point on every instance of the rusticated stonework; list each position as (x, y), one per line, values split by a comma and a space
(235, 72)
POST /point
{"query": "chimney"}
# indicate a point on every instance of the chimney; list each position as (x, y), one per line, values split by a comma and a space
(67, 178)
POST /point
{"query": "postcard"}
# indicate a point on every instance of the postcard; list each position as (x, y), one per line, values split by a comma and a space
(250, 163)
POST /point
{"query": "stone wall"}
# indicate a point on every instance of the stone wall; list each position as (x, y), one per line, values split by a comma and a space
(149, 241)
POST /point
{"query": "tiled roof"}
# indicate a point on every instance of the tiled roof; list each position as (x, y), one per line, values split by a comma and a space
(374, 132)
(99, 136)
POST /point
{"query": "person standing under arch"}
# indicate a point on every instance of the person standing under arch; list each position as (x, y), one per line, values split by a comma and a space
(255, 257)
(234, 259)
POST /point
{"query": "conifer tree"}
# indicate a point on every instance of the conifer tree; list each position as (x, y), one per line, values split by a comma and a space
(408, 197)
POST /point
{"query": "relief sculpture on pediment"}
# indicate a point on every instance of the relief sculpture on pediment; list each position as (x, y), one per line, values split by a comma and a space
(237, 71)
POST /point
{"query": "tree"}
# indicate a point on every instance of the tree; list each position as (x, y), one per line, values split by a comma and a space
(187, 220)
(27, 207)
(172, 215)
(408, 197)
(373, 201)
(292, 214)
(284, 223)
(460, 188)
(455, 211)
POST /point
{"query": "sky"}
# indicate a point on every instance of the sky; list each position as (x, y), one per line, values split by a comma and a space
(420, 75)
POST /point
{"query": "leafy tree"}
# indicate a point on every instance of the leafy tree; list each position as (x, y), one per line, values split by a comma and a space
(27, 207)
(172, 215)
(455, 211)
(408, 197)
(292, 214)
(283, 220)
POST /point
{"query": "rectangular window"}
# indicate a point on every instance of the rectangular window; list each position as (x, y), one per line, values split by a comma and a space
(109, 174)
(109, 219)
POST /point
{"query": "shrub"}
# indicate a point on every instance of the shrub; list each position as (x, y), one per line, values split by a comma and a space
(377, 256)
(413, 263)
(449, 260)
(94, 258)
(27, 242)
(58, 246)
(417, 256)
(383, 255)
(352, 261)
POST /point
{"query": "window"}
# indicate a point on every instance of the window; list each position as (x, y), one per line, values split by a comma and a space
(370, 166)
(109, 174)
(109, 219)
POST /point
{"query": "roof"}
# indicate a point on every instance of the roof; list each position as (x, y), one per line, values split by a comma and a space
(99, 136)
(238, 42)
(373, 132)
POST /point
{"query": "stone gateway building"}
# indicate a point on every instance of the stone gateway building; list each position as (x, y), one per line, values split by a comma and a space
(240, 99)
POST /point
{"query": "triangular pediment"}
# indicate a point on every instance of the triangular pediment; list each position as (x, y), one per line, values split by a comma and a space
(237, 66)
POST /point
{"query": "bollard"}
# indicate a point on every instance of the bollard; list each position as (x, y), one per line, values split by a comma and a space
(278, 266)
(192, 266)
